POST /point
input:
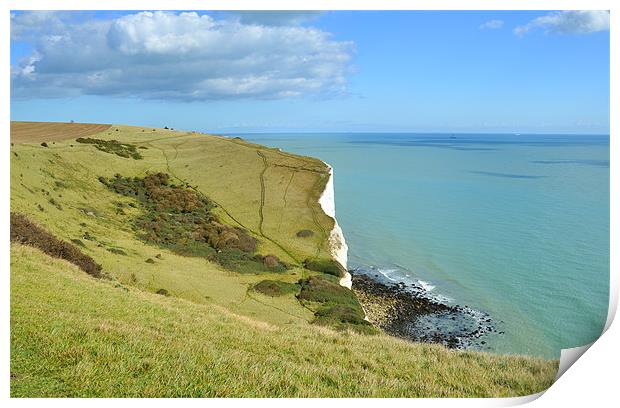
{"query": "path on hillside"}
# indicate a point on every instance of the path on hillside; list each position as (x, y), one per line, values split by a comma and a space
(261, 217)
(260, 231)
(309, 204)
(315, 218)
(290, 180)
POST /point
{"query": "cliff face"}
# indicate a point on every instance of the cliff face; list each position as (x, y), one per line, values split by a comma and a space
(337, 244)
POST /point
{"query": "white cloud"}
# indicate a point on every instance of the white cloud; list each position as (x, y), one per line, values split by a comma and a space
(492, 25)
(568, 22)
(168, 55)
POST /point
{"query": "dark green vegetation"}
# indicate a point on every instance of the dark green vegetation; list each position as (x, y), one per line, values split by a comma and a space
(23, 231)
(78, 242)
(275, 288)
(112, 146)
(180, 219)
(328, 266)
(334, 305)
(116, 251)
(304, 233)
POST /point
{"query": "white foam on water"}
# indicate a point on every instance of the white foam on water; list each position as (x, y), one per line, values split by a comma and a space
(398, 275)
(426, 286)
(443, 298)
(387, 273)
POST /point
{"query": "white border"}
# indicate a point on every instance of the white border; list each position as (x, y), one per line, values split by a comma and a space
(591, 381)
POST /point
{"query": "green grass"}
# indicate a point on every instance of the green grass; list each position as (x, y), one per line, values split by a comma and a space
(207, 332)
(227, 171)
(74, 335)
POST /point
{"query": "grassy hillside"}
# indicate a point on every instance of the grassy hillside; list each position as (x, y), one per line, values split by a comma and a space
(72, 334)
(271, 194)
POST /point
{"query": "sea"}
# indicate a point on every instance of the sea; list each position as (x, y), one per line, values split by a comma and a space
(515, 226)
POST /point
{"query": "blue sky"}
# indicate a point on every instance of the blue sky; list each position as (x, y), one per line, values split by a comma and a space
(492, 71)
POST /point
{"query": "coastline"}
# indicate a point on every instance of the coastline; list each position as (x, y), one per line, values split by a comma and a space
(402, 310)
(337, 244)
(408, 312)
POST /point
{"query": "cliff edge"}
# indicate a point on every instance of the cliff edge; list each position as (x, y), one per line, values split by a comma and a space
(337, 244)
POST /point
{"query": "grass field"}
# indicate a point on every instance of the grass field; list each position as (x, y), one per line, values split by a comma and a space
(73, 335)
(58, 187)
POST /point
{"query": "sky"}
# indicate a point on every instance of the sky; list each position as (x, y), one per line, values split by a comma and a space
(341, 71)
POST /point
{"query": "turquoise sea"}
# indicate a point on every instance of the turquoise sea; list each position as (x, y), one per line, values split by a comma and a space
(516, 226)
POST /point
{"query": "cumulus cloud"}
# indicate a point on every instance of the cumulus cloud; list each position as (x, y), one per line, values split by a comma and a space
(568, 22)
(492, 25)
(184, 56)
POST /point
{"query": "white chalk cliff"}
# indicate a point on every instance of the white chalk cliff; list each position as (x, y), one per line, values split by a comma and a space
(337, 244)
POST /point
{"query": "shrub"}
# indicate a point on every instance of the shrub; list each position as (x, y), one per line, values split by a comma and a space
(179, 219)
(344, 318)
(162, 292)
(328, 266)
(125, 150)
(25, 232)
(337, 306)
(243, 262)
(339, 314)
(304, 233)
(275, 288)
(323, 290)
(271, 261)
(78, 242)
(55, 203)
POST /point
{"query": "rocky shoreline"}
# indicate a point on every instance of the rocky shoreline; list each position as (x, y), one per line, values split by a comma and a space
(408, 312)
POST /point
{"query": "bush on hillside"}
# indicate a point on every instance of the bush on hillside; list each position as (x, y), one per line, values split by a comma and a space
(25, 232)
(179, 219)
(328, 266)
(304, 233)
(275, 288)
(125, 150)
(337, 306)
